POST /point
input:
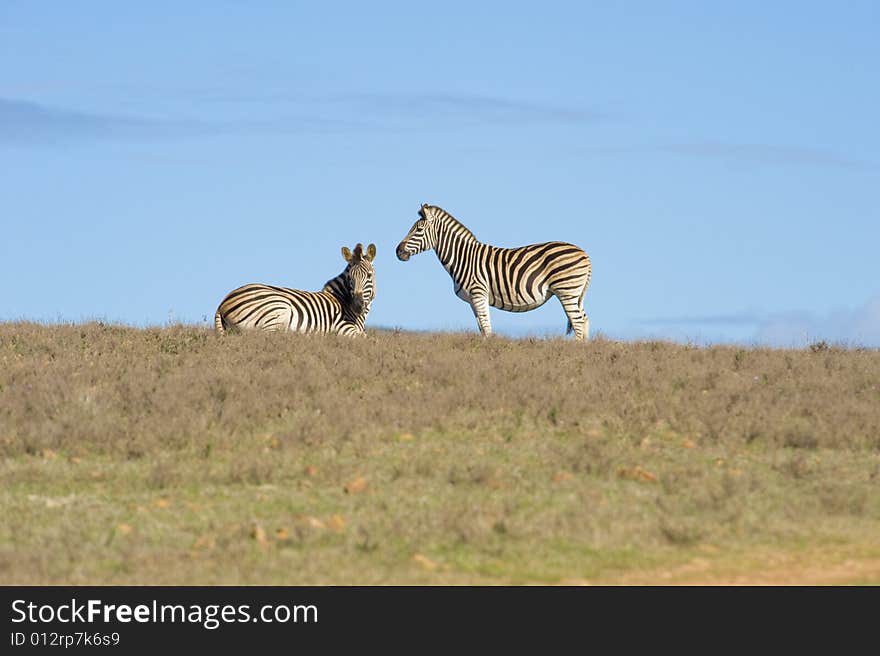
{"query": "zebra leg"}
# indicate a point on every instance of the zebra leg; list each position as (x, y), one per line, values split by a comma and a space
(577, 318)
(480, 306)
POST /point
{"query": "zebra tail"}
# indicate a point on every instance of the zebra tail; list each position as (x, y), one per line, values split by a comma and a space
(218, 323)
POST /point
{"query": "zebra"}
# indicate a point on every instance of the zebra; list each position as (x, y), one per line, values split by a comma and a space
(340, 307)
(511, 279)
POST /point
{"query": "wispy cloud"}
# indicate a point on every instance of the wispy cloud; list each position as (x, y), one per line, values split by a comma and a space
(466, 108)
(28, 123)
(757, 153)
(405, 110)
(737, 153)
(744, 318)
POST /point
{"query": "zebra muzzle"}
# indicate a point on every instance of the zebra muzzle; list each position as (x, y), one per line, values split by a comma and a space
(402, 255)
(357, 304)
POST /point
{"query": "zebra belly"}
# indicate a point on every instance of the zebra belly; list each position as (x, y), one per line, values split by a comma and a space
(513, 305)
(519, 304)
(519, 307)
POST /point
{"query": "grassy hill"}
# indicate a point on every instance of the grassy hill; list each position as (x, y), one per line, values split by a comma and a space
(176, 456)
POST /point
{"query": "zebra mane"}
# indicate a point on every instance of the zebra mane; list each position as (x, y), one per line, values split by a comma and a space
(450, 221)
(338, 286)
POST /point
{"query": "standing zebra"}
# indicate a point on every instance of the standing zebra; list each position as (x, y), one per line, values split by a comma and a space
(512, 279)
(340, 307)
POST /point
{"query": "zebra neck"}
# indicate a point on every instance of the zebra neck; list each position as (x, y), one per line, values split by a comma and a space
(453, 238)
(339, 289)
(350, 316)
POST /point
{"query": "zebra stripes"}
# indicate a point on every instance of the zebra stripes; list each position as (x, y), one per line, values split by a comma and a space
(511, 279)
(340, 307)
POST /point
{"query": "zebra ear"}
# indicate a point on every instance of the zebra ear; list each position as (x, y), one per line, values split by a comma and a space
(346, 253)
(371, 252)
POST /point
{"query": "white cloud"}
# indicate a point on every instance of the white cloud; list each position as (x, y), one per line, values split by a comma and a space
(859, 326)
(854, 327)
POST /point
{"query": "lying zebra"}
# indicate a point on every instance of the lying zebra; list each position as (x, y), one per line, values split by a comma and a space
(340, 307)
(512, 279)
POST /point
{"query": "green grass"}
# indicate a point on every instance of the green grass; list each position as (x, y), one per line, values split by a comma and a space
(173, 456)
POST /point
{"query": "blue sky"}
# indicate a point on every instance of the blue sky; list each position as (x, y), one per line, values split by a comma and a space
(720, 162)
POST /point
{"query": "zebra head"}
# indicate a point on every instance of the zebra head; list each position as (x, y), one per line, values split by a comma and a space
(360, 276)
(421, 237)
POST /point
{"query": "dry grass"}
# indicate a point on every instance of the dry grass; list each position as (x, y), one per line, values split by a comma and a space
(176, 456)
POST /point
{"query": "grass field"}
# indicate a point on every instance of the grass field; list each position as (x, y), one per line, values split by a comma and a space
(174, 456)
